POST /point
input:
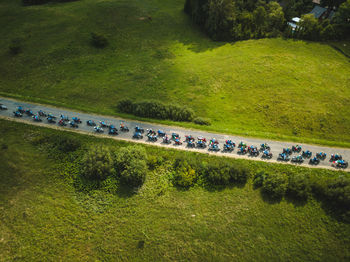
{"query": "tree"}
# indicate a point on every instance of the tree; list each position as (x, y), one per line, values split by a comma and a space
(342, 20)
(309, 27)
(332, 3)
(220, 17)
(130, 165)
(328, 32)
(260, 20)
(276, 16)
(97, 163)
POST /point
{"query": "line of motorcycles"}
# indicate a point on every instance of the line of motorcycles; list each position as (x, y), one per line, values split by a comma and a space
(336, 159)
(191, 142)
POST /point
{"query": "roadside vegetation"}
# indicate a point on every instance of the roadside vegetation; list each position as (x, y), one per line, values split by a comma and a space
(77, 197)
(150, 50)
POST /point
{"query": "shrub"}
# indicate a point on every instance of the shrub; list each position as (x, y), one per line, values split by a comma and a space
(338, 191)
(275, 185)
(222, 172)
(299, 186)
(184, 175)
(125, 105)
(134, 173)
(98, 40)
(15, 46)
(156, 109)
(97, 164)
(202, 121)
(259, 179)
(130, 165)
(154, 161)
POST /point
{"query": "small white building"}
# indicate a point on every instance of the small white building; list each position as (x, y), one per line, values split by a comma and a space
(294, 23)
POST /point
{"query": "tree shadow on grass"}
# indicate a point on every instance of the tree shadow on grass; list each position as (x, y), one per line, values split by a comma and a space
(125, 191)
(268, 199)
(337, 212)
(217, 188)
(297, 202)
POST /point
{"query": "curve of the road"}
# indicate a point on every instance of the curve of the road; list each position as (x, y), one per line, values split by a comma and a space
(276, 146)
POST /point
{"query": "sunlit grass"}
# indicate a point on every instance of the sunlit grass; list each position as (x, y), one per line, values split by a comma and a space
(274, 88)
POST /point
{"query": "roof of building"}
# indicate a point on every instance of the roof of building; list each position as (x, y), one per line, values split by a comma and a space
(292, 25)
(318, 11)
(296, 19)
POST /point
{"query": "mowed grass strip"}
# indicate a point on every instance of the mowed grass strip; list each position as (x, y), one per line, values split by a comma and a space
(42, 215)
(273, 88)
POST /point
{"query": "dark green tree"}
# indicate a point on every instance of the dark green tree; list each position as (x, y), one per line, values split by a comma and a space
(130, 165)
(97, 163)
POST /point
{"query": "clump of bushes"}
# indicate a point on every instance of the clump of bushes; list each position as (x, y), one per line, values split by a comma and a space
(223, 173)
(156, 109)
(219, 172)
(98, 40)
(127, 166)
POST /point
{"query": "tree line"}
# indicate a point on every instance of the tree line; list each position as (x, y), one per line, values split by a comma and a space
(231, 20)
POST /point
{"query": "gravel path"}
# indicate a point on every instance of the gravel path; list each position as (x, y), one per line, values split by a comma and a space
(276, 146)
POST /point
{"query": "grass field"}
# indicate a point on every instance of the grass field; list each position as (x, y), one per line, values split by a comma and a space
(274, 88)
(44, 217)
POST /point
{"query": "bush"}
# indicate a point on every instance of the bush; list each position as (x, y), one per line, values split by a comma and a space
(156, 109)
(97, 164)
(259, 179)
(184, 175)
(275, 185)
(299, 186)
(125, 105)
(134, 173)
(202, 121)
(98, 40)
(15, 46)
(154, 161)
(223, 172)
(338, 191)
(130, 165)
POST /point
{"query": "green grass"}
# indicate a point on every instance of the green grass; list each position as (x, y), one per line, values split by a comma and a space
(273, 88)
(43, 217)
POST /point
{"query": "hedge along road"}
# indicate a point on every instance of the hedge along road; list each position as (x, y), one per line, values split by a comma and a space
(276, 146)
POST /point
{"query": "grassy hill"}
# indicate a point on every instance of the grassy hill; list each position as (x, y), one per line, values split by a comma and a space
(275, 88)
(44, 216)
